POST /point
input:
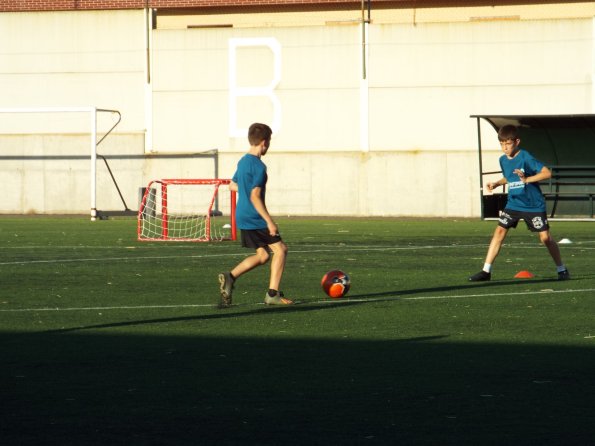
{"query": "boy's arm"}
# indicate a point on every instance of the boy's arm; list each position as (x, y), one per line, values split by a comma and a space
(262, 210)
(233, 186)
(543, 174)
(501, 182)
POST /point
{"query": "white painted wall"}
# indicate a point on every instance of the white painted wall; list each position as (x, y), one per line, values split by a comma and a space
(424, 79)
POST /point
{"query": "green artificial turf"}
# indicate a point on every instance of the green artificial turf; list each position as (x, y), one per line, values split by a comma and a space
(105, 340)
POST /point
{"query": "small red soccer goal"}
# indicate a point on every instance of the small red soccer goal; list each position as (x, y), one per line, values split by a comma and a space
(187, 210)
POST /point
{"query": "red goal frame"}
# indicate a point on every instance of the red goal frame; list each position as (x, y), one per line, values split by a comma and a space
(208, 213)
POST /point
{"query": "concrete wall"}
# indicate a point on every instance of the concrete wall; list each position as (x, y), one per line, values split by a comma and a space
(397, 143)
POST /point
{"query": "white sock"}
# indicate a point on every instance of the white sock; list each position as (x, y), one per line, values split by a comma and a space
(561, 268)
(487, 267)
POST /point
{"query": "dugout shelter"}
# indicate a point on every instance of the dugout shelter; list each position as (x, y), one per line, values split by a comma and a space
(564, 143)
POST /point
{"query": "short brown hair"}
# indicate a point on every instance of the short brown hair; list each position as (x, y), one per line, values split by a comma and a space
(507, 132)
(259, 132)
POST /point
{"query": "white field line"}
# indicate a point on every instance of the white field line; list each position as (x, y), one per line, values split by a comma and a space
(201, 256)
(204, 256)
(325, 301)
(115, 259)
(140, 247)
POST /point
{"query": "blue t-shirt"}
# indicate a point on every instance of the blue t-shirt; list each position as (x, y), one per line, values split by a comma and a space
(250, 173)
(525, 197)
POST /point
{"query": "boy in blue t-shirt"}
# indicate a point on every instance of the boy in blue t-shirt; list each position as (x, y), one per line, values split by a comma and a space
(522, 173)
(258, 230)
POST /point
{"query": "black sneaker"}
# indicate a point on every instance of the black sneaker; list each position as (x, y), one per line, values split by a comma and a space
(481, 276)
(226, 288)
(564, 275)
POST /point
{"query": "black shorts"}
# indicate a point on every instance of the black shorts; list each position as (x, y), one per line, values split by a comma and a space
(258, 238)
(536, 221)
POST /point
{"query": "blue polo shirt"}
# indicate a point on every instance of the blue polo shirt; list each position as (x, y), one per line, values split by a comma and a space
(251, 172)
(526, 197)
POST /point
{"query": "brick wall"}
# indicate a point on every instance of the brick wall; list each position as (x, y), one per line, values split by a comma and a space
(70, 5)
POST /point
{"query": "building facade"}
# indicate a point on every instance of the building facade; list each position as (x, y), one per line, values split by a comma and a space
(370, 105)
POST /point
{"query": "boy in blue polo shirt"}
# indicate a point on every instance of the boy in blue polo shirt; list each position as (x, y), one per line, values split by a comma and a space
(522, 172)
(258, 230)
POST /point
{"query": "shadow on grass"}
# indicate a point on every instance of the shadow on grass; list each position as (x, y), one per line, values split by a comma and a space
(221, 314)
(106, 389)
(304, 305)
(466, 286)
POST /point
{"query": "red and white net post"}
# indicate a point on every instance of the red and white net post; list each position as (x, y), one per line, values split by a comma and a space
(196, 210)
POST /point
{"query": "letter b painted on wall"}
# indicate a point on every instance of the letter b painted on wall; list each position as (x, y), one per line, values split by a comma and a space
(252, 83)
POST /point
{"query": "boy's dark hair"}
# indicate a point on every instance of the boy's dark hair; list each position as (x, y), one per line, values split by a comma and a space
(259, 132)
(507, 132)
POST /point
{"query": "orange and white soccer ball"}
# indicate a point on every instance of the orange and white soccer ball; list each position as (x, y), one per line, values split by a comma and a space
(336, 283)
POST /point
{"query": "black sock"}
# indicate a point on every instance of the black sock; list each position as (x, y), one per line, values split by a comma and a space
(232, 276)
(272, 292)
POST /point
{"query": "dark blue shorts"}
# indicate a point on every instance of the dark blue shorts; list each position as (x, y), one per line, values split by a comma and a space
(258, 238)
(536, 221)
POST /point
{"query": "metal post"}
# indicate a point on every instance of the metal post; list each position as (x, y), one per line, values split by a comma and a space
(93, 113)
(480, 168)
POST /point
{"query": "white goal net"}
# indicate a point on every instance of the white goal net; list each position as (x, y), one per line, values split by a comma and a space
(187, 210)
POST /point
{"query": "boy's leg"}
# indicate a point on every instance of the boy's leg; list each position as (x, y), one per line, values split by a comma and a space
(277, 264)
(538, 223)
(260, 257)
(274, 296)
(495, 244)
(546, 238)
(554, 250)
(227, 280)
